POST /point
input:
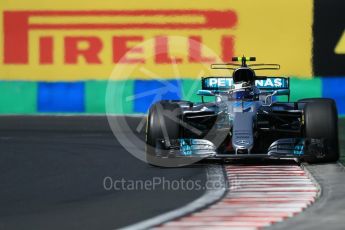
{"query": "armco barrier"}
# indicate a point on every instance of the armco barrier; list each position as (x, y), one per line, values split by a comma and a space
(328, 38)
(17, 97)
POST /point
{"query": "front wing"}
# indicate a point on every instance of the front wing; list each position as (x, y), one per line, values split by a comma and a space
(289, 148)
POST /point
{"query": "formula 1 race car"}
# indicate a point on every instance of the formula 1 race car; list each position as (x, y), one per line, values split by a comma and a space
(245, 120)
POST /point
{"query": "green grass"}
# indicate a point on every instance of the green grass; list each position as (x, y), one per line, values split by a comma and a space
(18, 97)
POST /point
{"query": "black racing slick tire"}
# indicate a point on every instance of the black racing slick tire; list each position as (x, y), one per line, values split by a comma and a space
(163, 122)
(321, 122)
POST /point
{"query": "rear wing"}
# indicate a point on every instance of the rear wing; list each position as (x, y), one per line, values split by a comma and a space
(265, 84)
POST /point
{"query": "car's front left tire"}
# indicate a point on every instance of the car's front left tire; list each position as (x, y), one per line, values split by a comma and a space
(321, 122)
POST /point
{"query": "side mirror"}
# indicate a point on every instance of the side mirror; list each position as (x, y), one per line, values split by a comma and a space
(203, 92)
(281, 92)
(269, 97)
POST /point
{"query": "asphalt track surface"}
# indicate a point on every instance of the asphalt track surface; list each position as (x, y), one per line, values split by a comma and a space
(328, 212)
(52, 171)
(342, 140)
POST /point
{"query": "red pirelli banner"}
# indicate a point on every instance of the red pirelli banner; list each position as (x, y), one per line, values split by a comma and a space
(80, 40)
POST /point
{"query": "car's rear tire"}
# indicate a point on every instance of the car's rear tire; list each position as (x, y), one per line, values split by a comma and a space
(163, 122)
(321, 122)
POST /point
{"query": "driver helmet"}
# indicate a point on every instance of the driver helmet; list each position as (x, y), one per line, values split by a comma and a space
(244, 74)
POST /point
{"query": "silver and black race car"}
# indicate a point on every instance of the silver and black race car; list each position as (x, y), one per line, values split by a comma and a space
(246, 119)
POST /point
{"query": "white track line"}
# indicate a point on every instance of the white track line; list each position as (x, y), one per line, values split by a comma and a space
(210, 196)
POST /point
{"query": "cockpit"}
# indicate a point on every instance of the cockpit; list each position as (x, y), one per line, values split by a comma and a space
(248, 93)
(243, 85)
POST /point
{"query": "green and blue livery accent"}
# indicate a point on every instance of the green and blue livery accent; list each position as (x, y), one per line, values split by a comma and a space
(88, 97)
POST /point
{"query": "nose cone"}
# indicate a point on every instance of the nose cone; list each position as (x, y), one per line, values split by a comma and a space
(242, 134)
(242, 142)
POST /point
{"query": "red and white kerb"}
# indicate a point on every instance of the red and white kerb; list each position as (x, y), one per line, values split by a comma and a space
(258, 196)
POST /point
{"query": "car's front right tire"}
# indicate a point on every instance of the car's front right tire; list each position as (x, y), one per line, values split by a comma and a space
(163, 122)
